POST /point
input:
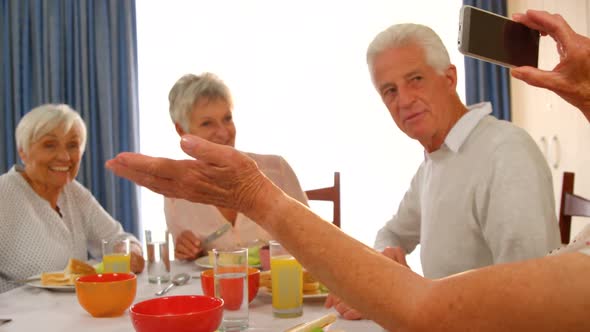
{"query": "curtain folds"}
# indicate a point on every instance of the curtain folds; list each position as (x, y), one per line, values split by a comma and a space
(485, 81)
(82, 53)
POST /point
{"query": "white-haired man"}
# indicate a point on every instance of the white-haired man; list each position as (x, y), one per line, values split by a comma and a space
(483, 194)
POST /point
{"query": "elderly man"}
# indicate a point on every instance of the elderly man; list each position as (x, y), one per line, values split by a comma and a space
(483, 194)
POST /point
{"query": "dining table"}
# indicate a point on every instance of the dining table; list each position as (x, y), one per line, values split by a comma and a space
(39, 309)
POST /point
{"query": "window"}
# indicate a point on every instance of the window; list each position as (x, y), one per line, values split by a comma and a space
(301, 89)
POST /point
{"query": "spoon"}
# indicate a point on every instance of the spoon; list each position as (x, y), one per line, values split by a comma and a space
(177, 280)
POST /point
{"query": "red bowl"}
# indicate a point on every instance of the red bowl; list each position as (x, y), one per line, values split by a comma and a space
(107, 294)
(208, 287)
(183, 313)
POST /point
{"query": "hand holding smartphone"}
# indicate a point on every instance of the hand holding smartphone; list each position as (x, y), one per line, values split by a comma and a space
(497, 39)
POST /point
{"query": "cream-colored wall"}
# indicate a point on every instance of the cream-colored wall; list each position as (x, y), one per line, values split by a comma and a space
(561, 131)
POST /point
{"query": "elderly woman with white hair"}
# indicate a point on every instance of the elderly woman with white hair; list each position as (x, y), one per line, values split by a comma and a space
(202, 106)
(46, 216)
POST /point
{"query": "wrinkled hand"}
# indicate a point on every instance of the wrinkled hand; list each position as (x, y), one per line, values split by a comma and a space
(220, 175)
(187, 246)
(397, 254)
(570, 79)
(137, 262)
(347, 312)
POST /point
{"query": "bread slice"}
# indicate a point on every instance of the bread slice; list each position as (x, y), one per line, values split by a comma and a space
(55, 279)
(265, 274)
(75, 269)
(73, 278)
(311, 288)
(265, 279)
(79, 268)
(311, 285)
(58, 279)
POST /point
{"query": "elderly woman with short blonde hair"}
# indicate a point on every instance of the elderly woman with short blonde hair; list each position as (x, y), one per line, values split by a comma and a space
(202, 105)
(46, 216)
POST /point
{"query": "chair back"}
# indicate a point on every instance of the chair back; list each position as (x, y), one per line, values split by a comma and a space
(572, 205)
(331, 194)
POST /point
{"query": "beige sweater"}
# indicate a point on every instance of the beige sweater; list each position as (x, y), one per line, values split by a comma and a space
(204, 219)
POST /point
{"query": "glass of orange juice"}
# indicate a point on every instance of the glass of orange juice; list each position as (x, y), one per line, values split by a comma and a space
(116, 255)
(287, 282)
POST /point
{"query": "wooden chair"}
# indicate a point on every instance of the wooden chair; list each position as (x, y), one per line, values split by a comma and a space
(572, 205)
(331, 194)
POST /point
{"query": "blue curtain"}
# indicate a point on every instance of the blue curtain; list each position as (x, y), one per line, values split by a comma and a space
(485, 81)
(82, 53)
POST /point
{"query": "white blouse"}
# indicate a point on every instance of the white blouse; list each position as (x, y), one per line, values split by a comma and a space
(35, 239)
(204, 219)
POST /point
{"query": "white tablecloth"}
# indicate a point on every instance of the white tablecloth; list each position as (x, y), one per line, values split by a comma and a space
(34, 309)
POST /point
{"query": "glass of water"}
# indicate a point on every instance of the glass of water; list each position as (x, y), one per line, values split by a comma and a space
(231, 285)
(158, 257)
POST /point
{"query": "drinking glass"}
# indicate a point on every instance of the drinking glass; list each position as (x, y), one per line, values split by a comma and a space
(231, 284)
(287, 283)
(116, 255)
(158, 257)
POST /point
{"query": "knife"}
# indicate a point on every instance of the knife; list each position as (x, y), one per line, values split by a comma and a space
(217, 234)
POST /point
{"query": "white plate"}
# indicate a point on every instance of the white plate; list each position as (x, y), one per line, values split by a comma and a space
(37, 284)
(264, 291)
(204, 263)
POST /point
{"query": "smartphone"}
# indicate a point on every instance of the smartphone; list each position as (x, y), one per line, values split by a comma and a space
(497, 39)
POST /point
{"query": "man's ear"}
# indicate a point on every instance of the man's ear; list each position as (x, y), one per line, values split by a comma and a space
(451, 75)
(179, 129)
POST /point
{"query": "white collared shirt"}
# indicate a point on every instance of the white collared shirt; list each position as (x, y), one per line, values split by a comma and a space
(461, 130)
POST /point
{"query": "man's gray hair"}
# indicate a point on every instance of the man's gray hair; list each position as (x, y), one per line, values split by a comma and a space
(189, 89)
(404, 34)
(43, 119)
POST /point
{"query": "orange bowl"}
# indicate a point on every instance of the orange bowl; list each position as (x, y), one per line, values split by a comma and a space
(107, 294)
(183, 313)
(208, 287)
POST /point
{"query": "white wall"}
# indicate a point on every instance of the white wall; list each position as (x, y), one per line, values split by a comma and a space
(301, 89)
